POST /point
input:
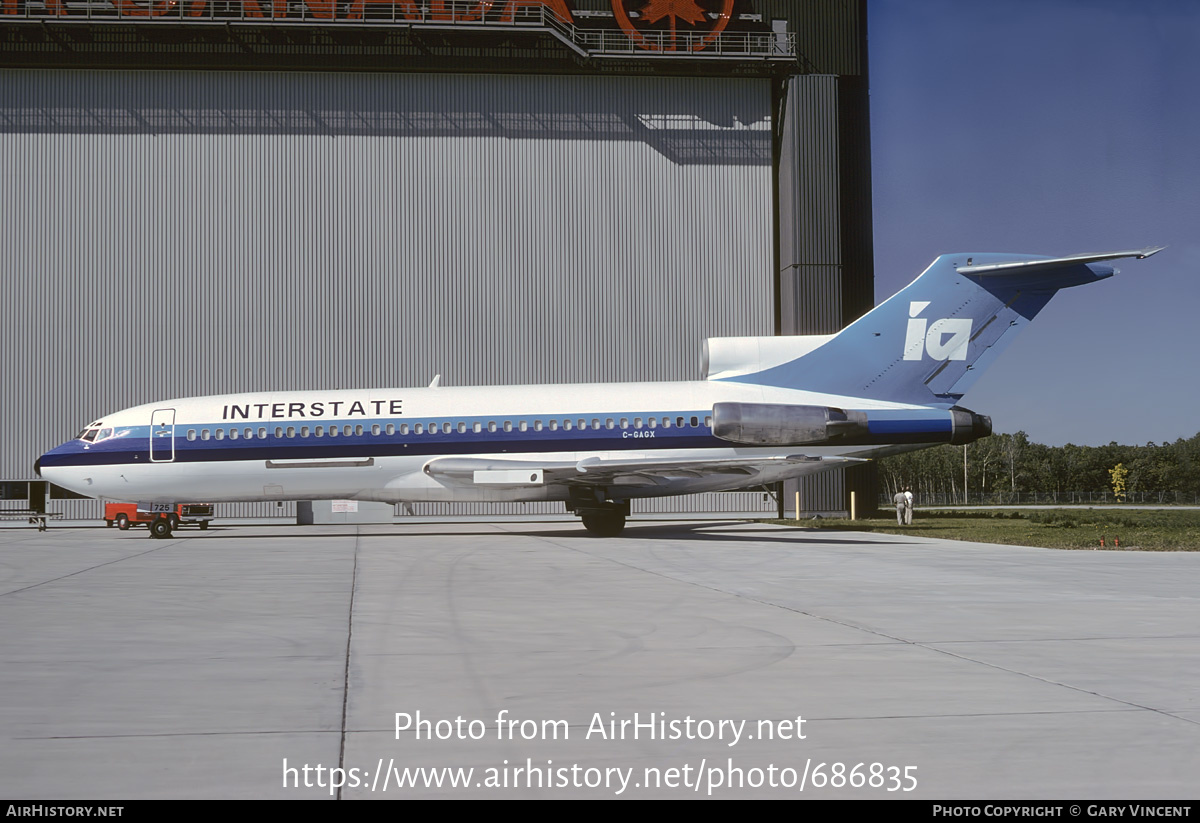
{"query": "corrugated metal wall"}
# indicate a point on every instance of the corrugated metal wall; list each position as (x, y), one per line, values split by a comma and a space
(831, 33)
(825, 255)
(810, 239)
(168, 234)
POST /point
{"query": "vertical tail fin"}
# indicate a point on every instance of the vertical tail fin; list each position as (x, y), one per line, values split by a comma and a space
(929, 342)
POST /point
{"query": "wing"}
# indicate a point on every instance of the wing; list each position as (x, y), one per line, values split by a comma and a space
(598, 471)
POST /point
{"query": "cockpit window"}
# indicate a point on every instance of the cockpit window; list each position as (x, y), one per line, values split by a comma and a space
(103, 434)
(89, 431)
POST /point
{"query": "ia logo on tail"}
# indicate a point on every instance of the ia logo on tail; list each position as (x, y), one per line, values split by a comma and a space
(944, 339)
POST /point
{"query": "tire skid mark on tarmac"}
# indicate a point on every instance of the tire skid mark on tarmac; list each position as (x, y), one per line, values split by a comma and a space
(90, 568)
(773, 653)
(894, 638)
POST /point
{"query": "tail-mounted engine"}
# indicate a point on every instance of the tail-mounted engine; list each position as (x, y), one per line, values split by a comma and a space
(773, 424)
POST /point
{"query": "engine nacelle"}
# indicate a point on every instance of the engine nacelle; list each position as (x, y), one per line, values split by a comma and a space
(773, 424)
(968, 426)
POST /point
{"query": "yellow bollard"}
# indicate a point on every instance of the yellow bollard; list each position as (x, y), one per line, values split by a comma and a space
(852, 508)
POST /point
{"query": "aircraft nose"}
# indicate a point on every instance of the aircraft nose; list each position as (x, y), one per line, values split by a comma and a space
(37, 467)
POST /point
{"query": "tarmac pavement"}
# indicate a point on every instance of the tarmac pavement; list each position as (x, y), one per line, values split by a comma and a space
(721, 659)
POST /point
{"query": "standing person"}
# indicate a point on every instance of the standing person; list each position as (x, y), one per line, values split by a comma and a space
(899, 499)
(908, 506)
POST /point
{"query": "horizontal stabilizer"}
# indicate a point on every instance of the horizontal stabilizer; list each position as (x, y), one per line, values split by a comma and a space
(1034, 264)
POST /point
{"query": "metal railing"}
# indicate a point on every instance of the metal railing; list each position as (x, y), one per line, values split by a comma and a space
(479, 15)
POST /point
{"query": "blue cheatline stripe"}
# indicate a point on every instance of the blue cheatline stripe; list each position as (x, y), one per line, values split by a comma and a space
(132, 443)
(925, 426)
(911, 428)
(367, 446)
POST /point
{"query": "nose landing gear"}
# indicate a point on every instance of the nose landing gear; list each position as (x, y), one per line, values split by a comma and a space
(160, 528)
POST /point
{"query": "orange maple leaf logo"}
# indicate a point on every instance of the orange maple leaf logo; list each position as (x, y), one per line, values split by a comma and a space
(686, 10)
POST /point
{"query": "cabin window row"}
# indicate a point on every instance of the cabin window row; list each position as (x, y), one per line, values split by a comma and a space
(435, 427)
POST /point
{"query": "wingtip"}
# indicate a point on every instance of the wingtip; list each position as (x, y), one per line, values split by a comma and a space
(1149, 252)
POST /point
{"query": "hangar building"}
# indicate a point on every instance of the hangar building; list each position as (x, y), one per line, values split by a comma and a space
(209, 196)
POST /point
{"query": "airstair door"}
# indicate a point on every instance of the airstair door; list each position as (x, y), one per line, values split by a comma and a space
(162, 436)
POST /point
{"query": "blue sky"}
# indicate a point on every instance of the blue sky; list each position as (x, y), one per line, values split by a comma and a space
(1052, 127)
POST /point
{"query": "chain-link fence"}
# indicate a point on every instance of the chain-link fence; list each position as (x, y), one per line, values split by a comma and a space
(1052, 499)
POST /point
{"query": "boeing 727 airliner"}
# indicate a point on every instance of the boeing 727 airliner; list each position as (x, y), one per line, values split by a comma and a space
(769, 409)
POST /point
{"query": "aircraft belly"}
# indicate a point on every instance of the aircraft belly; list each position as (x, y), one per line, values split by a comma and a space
(236, 481)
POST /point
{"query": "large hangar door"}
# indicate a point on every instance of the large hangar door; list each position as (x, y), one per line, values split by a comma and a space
(357, 230)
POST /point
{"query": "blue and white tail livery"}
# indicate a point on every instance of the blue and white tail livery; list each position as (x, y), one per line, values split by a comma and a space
(929, 343)
(769, 409)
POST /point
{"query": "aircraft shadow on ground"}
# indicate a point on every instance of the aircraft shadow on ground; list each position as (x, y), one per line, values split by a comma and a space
(703, 531)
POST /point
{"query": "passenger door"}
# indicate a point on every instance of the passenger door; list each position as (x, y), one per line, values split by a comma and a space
(162, 436)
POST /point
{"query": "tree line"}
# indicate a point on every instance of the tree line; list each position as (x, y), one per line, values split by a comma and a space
(1010, 468)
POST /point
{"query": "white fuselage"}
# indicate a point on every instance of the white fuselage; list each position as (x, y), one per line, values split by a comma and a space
(375, 444)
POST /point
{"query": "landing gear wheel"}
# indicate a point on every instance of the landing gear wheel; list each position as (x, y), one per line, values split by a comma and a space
(604, 523)
(160, 528)
(123, 522)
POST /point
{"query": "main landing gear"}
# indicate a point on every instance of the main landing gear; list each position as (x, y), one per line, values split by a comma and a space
(601, 517)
